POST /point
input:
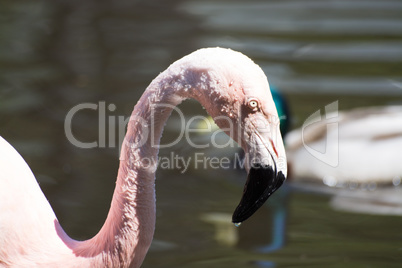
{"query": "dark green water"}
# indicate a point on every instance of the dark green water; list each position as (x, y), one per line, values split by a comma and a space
(55, 55)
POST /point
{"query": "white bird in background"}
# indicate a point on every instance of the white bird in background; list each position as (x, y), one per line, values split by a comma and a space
(365, 143)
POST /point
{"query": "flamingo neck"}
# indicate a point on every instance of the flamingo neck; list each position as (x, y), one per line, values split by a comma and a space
(128, 230)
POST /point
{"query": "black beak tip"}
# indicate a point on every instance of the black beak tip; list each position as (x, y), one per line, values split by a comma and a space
(262, 182)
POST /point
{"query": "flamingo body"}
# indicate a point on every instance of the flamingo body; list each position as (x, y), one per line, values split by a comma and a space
(234, 91)
(25, 231)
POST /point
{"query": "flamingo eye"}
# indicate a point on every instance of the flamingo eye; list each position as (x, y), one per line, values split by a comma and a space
(253, 104)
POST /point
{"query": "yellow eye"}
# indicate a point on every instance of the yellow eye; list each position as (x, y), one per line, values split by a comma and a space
(253, 104)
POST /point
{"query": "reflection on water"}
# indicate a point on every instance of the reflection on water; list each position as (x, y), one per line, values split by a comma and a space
(55, 55)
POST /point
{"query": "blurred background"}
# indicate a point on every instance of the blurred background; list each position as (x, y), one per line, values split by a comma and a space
(57, 54)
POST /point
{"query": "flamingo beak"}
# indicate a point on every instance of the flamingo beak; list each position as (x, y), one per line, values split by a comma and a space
(264, 178)
(262, 182)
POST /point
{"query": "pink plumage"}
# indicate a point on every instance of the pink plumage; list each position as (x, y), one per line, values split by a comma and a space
(224, 82)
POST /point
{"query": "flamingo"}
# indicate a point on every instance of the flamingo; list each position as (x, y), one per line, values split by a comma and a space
(233, 90)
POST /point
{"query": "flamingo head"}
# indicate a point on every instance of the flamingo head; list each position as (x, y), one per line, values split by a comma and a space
(243, 107)
(265, 158)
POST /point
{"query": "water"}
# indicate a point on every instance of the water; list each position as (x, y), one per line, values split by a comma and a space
(55, 55)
